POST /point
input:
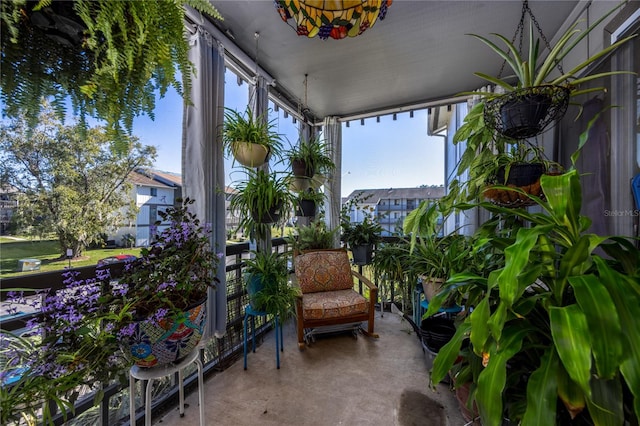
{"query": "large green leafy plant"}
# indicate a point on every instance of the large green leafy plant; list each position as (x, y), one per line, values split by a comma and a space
(556, 328)
(107, 57)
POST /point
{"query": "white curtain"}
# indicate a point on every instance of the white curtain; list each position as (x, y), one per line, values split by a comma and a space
(202, 159)
(333, 187)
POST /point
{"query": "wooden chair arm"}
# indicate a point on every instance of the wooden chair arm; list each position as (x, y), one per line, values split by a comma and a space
(365, 280)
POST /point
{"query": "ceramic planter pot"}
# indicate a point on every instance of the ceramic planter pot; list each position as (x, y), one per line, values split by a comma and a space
(155, 343)
(431, 286)
(300, 168)
(250, 154)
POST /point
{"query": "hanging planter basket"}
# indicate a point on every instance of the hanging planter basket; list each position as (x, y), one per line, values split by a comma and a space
(271, 216)
(155, 343)
(523, 176)
(250, 154)
(302, 169)
(306, 208)
(527, 112)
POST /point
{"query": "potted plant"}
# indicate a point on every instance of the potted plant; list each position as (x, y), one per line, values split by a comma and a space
(251, 140)
(267, 279)
(494, 162)
(555, 326)
(263, 198)
(107, 58)
(360, 237)
(310, 157)
(392, 263)
(308, 202)
(95, 329)
(536, 98)
(314, 236)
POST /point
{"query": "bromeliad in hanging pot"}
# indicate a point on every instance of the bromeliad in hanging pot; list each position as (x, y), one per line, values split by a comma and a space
(536, 99)
(251, 140)
(263, 197)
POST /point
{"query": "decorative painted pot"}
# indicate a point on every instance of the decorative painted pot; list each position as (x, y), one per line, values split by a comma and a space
(157, 343)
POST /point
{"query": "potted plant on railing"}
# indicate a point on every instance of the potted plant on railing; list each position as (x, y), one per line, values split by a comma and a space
(267, 279)
(251, 140)
(314, 236)
(94, 330)
(263, 198)
(536, 99)
(361, 237)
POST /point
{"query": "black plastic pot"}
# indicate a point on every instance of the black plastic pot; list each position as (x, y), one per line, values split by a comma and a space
(524, 116)
(520, 174)
(300, 168)
(362, 255)
(272, 216)
(306, 208)
(436, 332)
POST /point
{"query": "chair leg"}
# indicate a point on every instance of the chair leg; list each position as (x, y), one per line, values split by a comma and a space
(246, 317)
(277, 344)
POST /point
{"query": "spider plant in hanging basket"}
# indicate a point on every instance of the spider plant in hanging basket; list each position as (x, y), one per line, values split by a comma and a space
(536, 99)
(251, 140)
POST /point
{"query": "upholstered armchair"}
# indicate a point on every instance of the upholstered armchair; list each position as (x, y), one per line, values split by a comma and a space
(328, 299)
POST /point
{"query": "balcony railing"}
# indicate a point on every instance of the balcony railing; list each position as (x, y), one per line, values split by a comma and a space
(218, 354)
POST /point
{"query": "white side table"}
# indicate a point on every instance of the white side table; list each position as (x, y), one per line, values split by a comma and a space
(149, 374)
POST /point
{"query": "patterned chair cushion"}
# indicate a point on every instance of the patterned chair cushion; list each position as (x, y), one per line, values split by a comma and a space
(333, 304)
(323, 271)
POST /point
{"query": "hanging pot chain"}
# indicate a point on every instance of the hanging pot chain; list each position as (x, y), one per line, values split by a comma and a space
(520, 32)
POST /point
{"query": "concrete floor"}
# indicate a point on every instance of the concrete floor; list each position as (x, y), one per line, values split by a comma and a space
(337, 380)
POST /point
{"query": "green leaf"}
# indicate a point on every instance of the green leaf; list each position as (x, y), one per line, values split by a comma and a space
(575, 256)
(564, 198)
(479, 330)
(603, 321)
(623, 291)
(605, 404)
(448, 354)
(516, 258)
(570, 333)
(492, 379)
(542, 390)
(570, 393)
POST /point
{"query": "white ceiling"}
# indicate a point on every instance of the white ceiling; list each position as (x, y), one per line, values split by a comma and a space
(418, 54)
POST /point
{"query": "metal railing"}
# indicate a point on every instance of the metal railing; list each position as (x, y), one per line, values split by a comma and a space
(217, 355)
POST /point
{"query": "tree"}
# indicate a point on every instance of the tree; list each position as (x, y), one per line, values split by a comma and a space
(70, 179)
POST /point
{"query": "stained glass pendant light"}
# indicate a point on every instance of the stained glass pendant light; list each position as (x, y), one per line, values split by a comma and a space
(332, 18)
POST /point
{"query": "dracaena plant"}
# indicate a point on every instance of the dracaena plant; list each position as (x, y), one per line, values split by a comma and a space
(556, 327)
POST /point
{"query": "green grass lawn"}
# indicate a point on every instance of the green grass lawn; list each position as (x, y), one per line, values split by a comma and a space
(48, 252)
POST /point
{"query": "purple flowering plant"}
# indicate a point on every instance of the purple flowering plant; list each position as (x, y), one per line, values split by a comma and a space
(76, 339)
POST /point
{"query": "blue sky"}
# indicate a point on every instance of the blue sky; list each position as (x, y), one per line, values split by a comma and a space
(388, 154)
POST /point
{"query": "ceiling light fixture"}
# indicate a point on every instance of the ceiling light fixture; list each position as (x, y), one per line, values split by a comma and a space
(332, 18)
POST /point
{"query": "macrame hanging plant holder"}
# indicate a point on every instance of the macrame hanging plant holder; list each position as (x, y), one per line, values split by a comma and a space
(529, 111)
